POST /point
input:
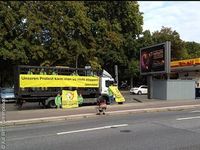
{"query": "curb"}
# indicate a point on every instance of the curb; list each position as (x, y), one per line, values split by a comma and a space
(79, 116)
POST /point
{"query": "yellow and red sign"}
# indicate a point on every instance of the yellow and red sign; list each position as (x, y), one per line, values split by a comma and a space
(184, 63)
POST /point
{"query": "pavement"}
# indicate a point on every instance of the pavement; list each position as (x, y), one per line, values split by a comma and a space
(132, 105)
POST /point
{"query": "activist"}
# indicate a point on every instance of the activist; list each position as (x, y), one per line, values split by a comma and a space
(54, 72)
(111, 96)
(101, 105)
(58, 101)
(42, 72)
(80, 99)
(30, 71)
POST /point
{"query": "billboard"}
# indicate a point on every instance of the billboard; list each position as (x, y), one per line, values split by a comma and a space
(155, 59)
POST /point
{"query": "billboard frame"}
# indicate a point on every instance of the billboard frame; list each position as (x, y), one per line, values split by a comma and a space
(167, 58)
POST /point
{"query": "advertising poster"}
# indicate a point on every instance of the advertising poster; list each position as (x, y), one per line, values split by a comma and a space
(69, 99)
(154, 59)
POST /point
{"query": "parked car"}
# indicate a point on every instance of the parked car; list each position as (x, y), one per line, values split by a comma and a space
(7, 94)
(139, 90)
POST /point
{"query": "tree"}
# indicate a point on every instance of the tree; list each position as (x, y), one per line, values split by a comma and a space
(193, 49)
(116, 26)
(178, 50)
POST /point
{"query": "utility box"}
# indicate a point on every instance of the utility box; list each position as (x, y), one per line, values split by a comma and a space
(173, 89)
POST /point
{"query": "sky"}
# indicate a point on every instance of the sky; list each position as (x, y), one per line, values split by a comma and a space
(182, 16)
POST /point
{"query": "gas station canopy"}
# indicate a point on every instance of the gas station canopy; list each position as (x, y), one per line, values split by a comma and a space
(185, 65)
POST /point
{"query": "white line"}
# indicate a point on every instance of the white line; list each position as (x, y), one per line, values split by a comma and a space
(188, 118)
(195, 111)
(92, 129)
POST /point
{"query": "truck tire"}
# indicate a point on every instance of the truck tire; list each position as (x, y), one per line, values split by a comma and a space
(51, 102)
(139, 92)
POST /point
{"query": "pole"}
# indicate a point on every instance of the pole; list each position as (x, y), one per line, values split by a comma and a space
(150, 86)
(116, 74)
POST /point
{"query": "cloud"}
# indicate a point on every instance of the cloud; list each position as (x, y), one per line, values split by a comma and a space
(184, 17)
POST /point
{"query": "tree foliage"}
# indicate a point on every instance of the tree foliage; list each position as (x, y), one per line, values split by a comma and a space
(193, 49)
(69, 33)
(178, 50)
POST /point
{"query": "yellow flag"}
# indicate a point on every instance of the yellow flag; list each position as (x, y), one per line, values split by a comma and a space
(118, 96)
(69, 99)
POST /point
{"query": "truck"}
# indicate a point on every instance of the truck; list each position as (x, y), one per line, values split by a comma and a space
(42, 84)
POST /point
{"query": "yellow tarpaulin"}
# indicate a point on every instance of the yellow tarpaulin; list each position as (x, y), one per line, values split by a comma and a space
(58, 81)
(118, 96)
(69, 99)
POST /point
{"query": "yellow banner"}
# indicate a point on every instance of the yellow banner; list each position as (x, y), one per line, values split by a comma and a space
(69, 99)
(118, 96)
(58, 81)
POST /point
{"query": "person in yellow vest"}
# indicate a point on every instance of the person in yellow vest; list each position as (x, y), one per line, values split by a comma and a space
(110, 95)
(54, 72)
(42, 72)
(58, 101)
(30, 72)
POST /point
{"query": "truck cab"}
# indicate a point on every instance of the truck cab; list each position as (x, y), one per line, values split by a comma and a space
(105, 81)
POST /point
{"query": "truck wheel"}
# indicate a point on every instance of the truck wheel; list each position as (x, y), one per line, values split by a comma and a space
(51, 104)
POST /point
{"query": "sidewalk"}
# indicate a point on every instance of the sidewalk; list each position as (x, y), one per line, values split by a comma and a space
(46, 115)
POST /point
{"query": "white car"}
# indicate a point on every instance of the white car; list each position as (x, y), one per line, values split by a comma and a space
(139, 90)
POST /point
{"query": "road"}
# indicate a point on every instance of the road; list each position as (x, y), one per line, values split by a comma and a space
(177, 130)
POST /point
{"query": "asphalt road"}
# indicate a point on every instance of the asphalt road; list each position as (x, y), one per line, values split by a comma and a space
(178, 130)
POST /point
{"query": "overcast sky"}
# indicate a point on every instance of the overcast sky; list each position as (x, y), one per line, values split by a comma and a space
(182, 16)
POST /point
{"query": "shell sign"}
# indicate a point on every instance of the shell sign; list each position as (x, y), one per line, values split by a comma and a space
(184, 63)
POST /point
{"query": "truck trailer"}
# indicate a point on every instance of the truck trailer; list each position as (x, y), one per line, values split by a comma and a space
(42, 84)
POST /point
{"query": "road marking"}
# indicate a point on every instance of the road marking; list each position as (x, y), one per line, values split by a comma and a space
(28, 137)
(195, 111)
(93, 129)
(188, 118)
